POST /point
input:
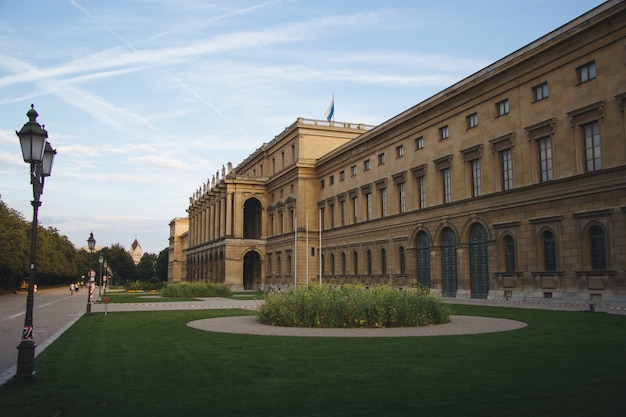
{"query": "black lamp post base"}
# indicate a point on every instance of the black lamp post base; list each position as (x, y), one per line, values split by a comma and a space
(26, 360)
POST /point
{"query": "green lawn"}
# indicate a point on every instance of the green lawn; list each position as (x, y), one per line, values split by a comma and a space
(141, 297)
(151, 364)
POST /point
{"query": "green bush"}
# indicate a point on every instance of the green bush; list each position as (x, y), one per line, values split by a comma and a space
(195, 289)
(330, 306)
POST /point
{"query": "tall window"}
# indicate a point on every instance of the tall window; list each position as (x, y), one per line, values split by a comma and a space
(342, 175)
(355, 210)
(421, 183)
(545, 159)
(506, 160)
(509, 253)
(343, 213)
(366, 165)
(355, 263)
(475, 165)
(381, 159)
(369, 262)
(402, 258)
(322, 215)
(593, 151)
(399, 151)
(353, 170)
(383, 202)
(502, 107)
(447, 193)
(368, 202)
(419, 143)
(598, 248)
(402, 197)
(383, 261)
(549, 251)
(343, 263)
(540, 91)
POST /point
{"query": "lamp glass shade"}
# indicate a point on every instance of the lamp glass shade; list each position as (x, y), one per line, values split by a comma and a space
(32, 139)
(91, 242)
(48, 159)
(100, 259)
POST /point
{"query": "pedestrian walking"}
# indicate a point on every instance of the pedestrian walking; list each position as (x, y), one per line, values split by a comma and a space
(72, 288)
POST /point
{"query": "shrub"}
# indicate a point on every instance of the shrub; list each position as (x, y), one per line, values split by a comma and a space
(345, 306)
(195, 289)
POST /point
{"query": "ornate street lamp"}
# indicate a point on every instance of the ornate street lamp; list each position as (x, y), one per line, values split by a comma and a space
(39, 154)
(91, 244)
(105, 277)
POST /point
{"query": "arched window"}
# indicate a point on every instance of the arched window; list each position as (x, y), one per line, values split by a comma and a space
(402, 257)
(383, 261)
(332, 264)
(549, 251)
(355, 263)
(369, 262)
(509, 253)
(597, 244)
(252, 219)
(422, 243)
(343, 263)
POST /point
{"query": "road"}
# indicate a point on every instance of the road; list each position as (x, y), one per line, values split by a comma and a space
(55, 310)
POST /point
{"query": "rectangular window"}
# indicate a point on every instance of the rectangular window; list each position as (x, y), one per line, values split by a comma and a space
(383, 202)
(366, 165)
(399, 151)
(475, 165)
(443, 132)
(419, 143)
(355, 210)
(331, 180)
(342, 175)
(322, 184)
(447, 192)
(586, 72)
(506, 160)
(545, 159)
(402, 197)
(322, 218)
(540, 91)
(368, 202)
(472, 120)
(421, 183)
(502, 107)
(381, 159)
(593, 151)
(353, 170)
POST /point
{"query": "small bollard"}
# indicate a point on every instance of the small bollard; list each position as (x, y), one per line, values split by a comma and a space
(106, 305)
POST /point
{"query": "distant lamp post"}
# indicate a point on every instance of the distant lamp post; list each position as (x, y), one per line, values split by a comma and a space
(106, 274)
(100, 261)
(91, 244)
(39, 154)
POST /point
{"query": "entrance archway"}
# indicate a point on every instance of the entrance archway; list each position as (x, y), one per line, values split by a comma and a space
(251, 270)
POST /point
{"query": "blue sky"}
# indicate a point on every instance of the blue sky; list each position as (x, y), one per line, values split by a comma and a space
(145, 100)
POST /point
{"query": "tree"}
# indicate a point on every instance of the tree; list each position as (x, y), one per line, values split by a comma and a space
(162, 264)
(14, 246)
(121, 264)
(146, 268)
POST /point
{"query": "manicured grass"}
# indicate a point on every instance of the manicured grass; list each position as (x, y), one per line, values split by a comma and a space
(151, 364)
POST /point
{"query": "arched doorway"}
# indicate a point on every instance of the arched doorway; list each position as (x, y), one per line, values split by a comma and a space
(478, 259)
(252, 219)
(251, 270)
(422, 242)
(448, 263)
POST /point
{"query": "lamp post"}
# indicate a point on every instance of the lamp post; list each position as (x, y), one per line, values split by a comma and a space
(39, 154)
(91, 244)
(106, 275)
(100, 260)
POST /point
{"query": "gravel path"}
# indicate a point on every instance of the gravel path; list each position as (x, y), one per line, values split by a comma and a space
(459, 325)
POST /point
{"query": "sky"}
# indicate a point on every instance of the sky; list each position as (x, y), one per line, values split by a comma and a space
(144, 100)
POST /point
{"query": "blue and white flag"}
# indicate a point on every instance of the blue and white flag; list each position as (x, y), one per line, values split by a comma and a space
(330, 112)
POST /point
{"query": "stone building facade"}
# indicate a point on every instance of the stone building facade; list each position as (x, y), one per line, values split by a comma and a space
(510, 184)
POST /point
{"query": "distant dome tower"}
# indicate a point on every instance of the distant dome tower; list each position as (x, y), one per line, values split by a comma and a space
(135, 251)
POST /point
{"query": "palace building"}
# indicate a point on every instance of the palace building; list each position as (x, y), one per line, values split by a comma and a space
(510, 184)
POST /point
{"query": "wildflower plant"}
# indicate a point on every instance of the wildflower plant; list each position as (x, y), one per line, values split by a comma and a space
(350, 306)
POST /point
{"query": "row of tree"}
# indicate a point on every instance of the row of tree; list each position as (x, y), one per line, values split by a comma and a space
(59, 262)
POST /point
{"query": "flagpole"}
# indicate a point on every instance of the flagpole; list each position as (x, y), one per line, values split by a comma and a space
(295, 251)
(319, 252)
